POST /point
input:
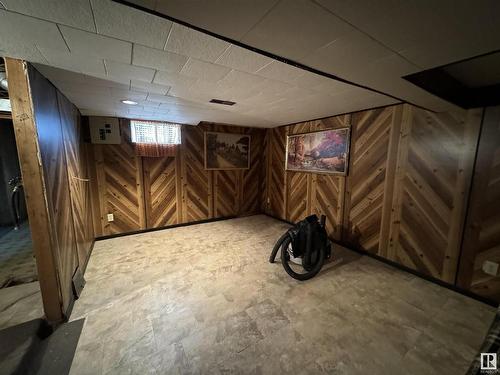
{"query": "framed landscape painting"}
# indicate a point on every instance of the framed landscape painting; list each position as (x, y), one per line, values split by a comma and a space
(227, 151)
(324, 151)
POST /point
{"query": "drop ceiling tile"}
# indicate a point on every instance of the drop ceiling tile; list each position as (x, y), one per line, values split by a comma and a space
(188, 42)
(172, 79)
(243, 59)
(294, 28)
(348, 53)
(121, 94)
(76, 13)
(95, 45)
(226, 17)
(122, 22)
(28, 52)
(158, 59)
(281, 72)
(74, 62)
(26, 32)
(205, 71)
(149, 87)
(127, 71)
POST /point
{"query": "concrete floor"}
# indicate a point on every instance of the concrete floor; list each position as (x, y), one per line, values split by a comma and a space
(17, 263)
(19, 304)
(204, 299)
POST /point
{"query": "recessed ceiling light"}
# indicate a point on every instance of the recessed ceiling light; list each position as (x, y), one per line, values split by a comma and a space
(129, 102)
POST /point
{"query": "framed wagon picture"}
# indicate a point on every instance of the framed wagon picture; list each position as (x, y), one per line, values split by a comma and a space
(227, 151)
(324, 151)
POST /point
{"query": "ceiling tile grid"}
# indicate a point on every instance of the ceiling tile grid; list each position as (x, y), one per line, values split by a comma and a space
(173, 71)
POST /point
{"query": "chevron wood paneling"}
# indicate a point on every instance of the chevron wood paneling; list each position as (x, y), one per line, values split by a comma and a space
(197, 182)
(119, 174)
(482, 229)
(364, 198)
(157, 192)
(253, 180)
(435, 158)
(276, 185)
(160, 191)
(327, 198)
(79, 182)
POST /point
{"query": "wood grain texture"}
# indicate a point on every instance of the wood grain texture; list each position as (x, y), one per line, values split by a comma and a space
(54, 163)
(364, 199)
(160, 191)
(482, 230)
(120, 179)
(197, 182)
(435, 163)
(35, 192)
(174, 189)
(78, 179)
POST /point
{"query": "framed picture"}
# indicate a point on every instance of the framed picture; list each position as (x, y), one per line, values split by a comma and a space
(324, 151)
(227, 151)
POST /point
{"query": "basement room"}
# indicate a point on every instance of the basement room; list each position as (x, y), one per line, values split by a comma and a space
(249, 187)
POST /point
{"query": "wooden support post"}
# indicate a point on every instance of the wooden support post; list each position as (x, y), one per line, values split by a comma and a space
(34, 186)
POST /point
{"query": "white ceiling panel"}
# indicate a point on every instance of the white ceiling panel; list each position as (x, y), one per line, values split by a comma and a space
(172, 79)
(206, 71)
(149, 87)
(232, 17)
(122, 22)
(158, 59)
(175, 81)
(295, 28)
(76, 13)
(242, 59)
(72, 61)
(128, 71)
(82, 42)
(27, 32)
(192, 43)
(281, 72)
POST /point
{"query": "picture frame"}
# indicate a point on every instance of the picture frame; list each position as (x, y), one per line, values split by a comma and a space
(323, 151)
(226, 151)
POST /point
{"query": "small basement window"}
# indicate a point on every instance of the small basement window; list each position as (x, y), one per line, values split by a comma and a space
(152, 132)
(155, 139)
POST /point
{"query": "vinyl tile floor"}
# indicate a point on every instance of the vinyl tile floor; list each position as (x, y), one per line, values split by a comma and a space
(203, 299)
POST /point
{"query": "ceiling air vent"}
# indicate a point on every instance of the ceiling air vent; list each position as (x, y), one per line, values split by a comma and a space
(223, 102)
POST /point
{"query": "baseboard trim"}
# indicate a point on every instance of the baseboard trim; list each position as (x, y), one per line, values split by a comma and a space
(107, 237)
(431, 279)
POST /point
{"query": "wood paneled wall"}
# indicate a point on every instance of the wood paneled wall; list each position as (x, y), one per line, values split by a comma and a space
(482, 230)
(56, 184)
(145, 193)
(405, 195)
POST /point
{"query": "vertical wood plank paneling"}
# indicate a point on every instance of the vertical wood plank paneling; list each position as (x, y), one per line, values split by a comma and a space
(481, 240)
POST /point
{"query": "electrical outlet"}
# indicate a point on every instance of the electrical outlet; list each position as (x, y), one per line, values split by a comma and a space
(111, 217)
(490, 268)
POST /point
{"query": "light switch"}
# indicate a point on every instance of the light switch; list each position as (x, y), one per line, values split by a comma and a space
(111, 217)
